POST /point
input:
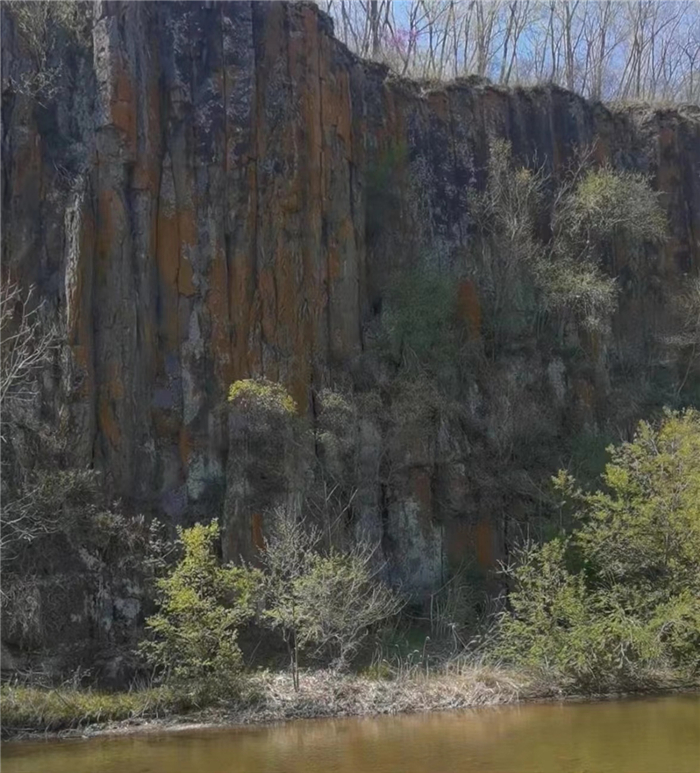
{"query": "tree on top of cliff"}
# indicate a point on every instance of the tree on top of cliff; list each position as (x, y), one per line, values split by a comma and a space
(603, 50)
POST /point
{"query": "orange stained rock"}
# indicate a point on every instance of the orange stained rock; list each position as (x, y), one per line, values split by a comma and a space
(107, 422)
(218, 307)
(78, 301)
(111, 394)
(256, 523)
(123, 107)
(585, 392)
(185, 446)
(485, 537)
(468, 307)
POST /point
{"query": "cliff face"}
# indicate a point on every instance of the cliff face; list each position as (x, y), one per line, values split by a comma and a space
(194, 199)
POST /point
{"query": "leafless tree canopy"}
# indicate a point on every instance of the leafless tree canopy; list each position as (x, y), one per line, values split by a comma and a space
(603, 49)
(27, 345)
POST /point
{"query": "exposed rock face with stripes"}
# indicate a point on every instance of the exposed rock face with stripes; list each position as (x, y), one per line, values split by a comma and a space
(192, 199)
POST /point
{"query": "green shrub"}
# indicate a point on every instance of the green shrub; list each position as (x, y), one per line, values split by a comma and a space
(202, 605)
(542, 242)
(341, 601)
(261, 394)
(324, 601)
(577, 286)
(621, 596)
(608, 203)
(589, 455)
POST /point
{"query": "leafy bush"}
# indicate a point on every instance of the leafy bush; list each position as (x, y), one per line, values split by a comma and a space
(202, 606)
(608, 203)
(328, 601)
(261, 394)
(341, 600)
(525, 268)
(578, 286)
(621, 596)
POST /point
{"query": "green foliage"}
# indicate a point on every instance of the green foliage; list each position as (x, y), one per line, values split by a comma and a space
(341, 600)
(643, 526)
(505, 215)
(608, 203)
(578, 286)
(29, 709)
(621, 596)
(261, 394)
(589, 455)
(325, 601)
(420, 322)
(202, 605)
(524, 268)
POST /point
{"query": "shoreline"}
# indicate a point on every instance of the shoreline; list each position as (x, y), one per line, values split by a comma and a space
(333, 697)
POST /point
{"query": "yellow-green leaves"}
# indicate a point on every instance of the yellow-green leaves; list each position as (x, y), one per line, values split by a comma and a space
(201, 606)
(621, 596)
(252, 393)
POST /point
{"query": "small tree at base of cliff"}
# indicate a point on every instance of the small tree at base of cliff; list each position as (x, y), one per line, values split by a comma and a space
(621, 596)
(328, 602)
(202, 605)
(342, 600)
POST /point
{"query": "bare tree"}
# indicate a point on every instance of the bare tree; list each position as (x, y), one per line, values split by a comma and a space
(328, 600)
(27, 344)
(646, 49)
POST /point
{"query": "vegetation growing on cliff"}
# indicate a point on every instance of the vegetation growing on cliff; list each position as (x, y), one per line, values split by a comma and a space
(324, 600)
(43, 26)
(527, 268)
(420, 322)
(260, 394)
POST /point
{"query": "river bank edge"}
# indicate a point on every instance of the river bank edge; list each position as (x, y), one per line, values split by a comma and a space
(323, 695)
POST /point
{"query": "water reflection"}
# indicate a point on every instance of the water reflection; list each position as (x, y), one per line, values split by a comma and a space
(660, 735)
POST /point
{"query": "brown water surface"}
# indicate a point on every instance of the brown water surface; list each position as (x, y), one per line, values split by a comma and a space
(654, 735)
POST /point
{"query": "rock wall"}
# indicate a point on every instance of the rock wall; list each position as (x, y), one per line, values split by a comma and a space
(193, 197)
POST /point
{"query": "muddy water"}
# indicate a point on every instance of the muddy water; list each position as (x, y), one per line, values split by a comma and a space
(653, 735)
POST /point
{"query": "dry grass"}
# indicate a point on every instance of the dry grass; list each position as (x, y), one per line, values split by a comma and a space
(270, 697)
(266, 697)
(324, 694)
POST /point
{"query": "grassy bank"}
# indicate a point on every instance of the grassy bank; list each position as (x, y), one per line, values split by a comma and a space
(266, 697)
(270, 697)
(31, 710)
